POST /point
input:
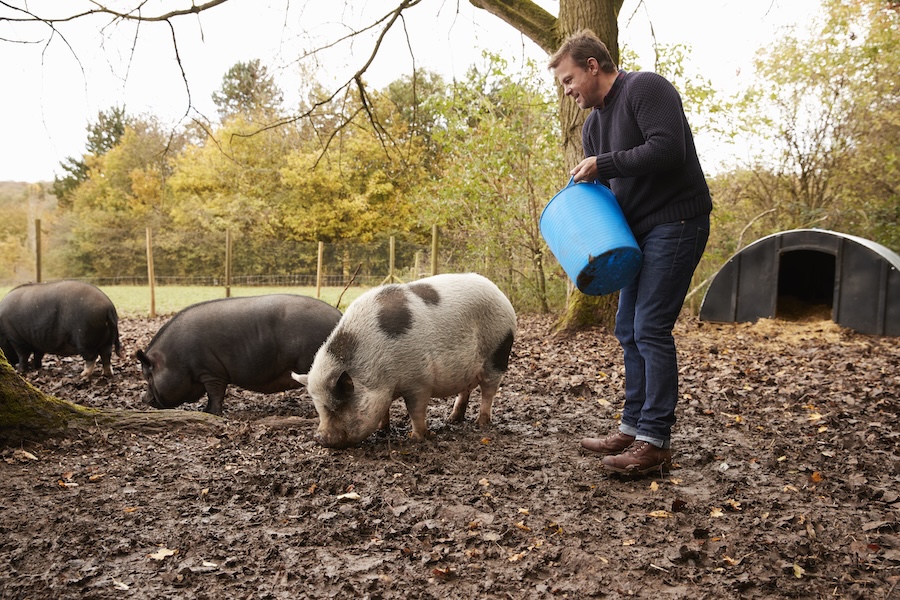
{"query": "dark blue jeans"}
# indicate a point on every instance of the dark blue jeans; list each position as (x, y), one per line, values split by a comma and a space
(648, 308)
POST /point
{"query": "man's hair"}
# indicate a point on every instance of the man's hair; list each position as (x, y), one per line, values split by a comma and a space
(581, 46)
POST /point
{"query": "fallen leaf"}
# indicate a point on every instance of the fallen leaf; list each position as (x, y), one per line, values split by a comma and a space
(816, 477)
(661, 514)
(799, 571)
(521, 525)
(24, 455)
(120, 586)
(523, 511)
(716, 512)
(654, 486)
(349, 496)
(163, 553)
(484, 482)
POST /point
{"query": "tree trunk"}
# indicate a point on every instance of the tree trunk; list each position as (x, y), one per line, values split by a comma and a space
(28, 415)
(548, 32)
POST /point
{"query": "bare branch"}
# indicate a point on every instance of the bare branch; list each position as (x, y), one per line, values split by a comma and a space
(132, 15)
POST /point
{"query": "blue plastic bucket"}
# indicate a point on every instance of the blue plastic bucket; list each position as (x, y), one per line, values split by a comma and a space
(585, 229)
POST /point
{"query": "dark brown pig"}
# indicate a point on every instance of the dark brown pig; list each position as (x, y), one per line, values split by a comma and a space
(254, 343)
(65, 318)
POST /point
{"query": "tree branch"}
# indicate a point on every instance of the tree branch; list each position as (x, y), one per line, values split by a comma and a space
(524, 16)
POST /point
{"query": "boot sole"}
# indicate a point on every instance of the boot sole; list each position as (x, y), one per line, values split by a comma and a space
(661, 467)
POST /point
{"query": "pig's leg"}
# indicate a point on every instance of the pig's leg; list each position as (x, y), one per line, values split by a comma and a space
(215, 394)
(106, 362)
(488, 391)
(417, 406)
(89, 368)
(385, 422)
(459, 407)
(38, 361)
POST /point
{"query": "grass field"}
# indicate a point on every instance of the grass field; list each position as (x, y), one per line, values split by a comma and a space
(134, 301)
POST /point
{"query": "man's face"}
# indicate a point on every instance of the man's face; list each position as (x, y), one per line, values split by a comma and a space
(582, 84)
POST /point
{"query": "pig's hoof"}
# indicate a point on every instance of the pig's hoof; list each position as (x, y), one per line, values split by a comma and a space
(415, 436)
(483, 423)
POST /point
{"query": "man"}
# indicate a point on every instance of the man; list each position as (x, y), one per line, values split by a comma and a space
(637, 141)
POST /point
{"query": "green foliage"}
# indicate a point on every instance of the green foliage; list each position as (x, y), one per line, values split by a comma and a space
(501, 163)
(102, 137)
(249, 91)
(827, 118)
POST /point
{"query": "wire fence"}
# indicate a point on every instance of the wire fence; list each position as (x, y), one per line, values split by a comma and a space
(216, 259)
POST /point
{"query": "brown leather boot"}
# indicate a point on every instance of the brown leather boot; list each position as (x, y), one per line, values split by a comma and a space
(640, 458)
(611, 444)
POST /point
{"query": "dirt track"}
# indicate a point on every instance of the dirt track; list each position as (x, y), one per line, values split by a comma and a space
(786, 484)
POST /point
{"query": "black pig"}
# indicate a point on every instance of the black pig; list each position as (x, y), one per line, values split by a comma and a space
(65, 318)
(253, 343)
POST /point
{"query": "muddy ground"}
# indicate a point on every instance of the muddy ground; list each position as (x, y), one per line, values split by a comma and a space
(786, 483)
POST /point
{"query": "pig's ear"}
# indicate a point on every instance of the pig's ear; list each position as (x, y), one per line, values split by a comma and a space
(301, 379)
(343, 388)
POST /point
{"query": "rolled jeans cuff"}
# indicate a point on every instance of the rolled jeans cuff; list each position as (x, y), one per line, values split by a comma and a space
(653, 441)
(628, 429)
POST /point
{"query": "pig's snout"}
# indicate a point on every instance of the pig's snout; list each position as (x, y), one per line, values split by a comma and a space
(150, 400)
(331, 439)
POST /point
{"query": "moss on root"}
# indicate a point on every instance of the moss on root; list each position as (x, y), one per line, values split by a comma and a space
(27, 414)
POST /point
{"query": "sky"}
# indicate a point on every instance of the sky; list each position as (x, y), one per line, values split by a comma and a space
(54, 84)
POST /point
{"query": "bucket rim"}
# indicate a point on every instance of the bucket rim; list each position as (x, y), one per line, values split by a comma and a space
(572, 183)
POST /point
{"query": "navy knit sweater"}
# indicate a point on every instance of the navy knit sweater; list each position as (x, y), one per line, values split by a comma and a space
(645, 152)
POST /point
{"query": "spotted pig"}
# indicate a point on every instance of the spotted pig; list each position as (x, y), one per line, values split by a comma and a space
(436, 337)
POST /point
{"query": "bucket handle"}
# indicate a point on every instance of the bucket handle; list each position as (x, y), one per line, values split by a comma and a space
(572, 182)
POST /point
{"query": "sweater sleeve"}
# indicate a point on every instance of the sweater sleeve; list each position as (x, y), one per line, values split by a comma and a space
(655, 106)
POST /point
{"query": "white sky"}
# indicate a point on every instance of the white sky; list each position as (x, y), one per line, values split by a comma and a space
(51, 91)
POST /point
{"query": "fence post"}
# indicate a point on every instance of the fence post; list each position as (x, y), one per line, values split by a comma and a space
(319, 269)
(434, 249)
(151, 278)
(37, 250)
(391, 277)
(228, 263)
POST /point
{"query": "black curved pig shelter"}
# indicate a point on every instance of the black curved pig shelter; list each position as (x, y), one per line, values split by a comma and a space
(856, 278)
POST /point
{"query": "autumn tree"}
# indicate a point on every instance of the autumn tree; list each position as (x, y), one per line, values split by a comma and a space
(123, 193)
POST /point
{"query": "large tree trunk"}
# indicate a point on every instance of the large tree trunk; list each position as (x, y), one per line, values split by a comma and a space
(28, 415)
(548, 32)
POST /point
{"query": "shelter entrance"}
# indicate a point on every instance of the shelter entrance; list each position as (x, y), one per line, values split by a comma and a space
(806, 282)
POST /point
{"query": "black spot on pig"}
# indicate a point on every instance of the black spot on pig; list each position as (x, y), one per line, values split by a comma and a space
(426, 292)
(343, 346)
(500, 357)
(394, 314)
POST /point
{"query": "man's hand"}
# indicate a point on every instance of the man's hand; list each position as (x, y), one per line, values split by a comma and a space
(586, 170)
